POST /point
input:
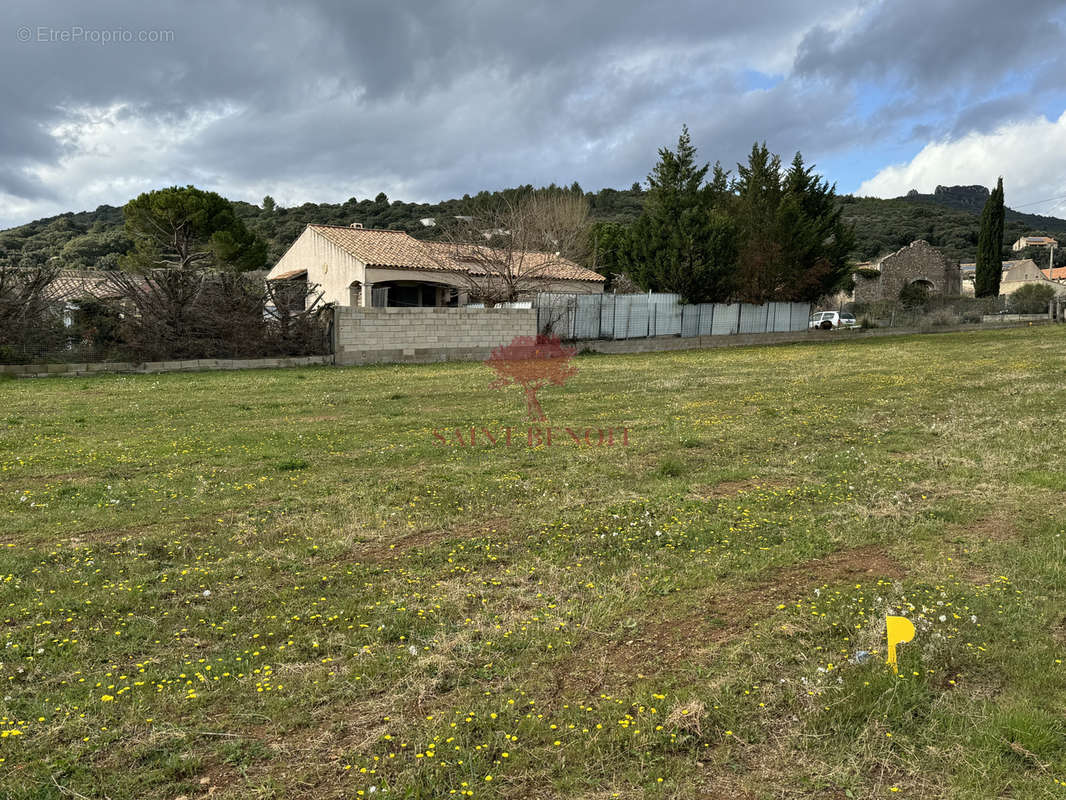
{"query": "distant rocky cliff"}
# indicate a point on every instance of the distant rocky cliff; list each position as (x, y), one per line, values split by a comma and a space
(963, 198)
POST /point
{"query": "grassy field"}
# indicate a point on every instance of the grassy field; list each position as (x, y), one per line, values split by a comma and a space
(300, 584)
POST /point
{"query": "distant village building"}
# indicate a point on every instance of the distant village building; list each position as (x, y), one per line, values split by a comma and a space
(1056, 274)
(1033, 241)
(1015, 275)
(919, 262)
(1019, 273)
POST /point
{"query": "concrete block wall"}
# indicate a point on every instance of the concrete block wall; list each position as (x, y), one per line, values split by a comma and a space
(422, 335)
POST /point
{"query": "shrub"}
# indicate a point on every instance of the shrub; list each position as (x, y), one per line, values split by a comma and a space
(97, 323)
(941, 318)
(293, 464)
(670, 468)
(1033, 298)
(914, 296)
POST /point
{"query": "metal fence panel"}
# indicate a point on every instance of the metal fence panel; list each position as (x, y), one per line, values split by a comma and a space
(706, 319)
(690, 320)
(752, 318)
(637, 317)
(801, 314)
(633, 316)
(587, 316)
(608, 315)
(666, 314)
(779, 317)
(726, 319)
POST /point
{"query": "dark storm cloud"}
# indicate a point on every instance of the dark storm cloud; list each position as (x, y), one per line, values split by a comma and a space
(323, 100)
(934, 44)
(988, 114)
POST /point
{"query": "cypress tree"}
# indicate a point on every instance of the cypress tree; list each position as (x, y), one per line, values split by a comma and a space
(997, 231)
(989, 268)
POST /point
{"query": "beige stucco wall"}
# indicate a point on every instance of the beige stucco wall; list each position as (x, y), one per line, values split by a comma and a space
(574, 287)
(332, 268)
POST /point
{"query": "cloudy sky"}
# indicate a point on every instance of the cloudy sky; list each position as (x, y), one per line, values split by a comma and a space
(321, 101)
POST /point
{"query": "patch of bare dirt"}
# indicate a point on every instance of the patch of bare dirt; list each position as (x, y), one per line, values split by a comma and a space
(731, 488)
(995, 528)
(661, 645)
(375, 552)
(1059, 632)
(972, 563)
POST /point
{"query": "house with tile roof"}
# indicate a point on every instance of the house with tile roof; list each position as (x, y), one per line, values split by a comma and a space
(72, 285)
(356, 266)
(1017, 274)
(1033, 241)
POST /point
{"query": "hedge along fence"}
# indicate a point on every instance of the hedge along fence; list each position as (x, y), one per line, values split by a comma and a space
(48, 315)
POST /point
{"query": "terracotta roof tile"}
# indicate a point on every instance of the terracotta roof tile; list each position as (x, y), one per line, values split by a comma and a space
(292, 273)
(78, 284)
(397, 249)
(545, 265)
(379, 248)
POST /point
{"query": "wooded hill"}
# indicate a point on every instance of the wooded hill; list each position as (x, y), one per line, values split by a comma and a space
(948, 219)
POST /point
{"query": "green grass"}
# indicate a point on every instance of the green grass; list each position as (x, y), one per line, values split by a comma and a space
(283, 584)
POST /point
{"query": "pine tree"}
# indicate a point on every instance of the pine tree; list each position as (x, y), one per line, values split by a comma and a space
(989, 268)
(681, 243)
(757, 193)
(793, 244)
(185, 228)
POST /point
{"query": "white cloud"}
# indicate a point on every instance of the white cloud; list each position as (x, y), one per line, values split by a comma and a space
(1030, 155)
(109, 154)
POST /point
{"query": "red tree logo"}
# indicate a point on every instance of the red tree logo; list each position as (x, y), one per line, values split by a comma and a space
(532, 362)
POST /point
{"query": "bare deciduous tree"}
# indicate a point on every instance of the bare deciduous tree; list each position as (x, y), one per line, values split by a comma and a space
(175, 313)
(515, 247)
(297, 316)
(24, 296)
